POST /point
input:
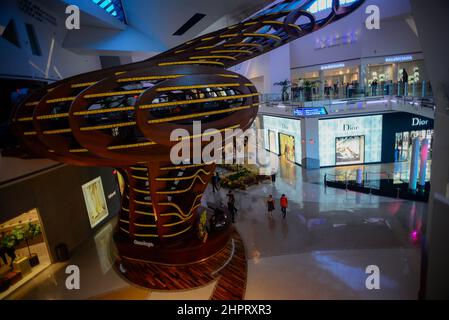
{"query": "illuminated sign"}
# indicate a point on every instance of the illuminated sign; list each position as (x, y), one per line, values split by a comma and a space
(332, 66)
(417, 122)
(399, 59)
(309, 112)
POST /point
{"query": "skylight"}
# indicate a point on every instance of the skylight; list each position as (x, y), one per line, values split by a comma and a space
(321, 5)
(112, 7)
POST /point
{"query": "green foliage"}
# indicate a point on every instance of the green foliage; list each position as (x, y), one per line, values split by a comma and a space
(240, 179)
(32, 230)
(21, 233)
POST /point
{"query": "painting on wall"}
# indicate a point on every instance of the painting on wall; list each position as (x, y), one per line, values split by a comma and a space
(95, 200)
(350, 150)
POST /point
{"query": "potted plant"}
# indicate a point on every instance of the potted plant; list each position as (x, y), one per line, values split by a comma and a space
(30, 232)
(285, 85)
(308, 90)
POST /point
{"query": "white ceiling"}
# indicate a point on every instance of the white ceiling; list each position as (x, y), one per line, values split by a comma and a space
(161, 18)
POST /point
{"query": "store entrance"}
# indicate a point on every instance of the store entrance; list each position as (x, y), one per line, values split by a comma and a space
(23, 251)
(287, 147)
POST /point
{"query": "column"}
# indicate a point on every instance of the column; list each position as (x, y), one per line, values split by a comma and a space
(310, 143)
(435, 266)
(414, 165)
(423, 167)
(322, 80)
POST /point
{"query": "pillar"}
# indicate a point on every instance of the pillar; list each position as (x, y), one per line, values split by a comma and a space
(423, 167)
(431, 22)
(310, 143)
(414, 165)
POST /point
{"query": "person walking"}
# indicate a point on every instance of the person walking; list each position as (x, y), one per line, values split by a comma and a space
(231, 205)
(215, 181)
(273, 177)
(270, 204)
(284, 205)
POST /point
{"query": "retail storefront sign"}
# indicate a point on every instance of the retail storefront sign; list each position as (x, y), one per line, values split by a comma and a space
(418, 122)
(399, 59)
(332, 66)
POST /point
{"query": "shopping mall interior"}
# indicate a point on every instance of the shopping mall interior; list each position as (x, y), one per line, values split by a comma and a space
(224, 150)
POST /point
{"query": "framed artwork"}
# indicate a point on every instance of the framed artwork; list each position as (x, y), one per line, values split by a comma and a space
(350, 150)
(95, 200)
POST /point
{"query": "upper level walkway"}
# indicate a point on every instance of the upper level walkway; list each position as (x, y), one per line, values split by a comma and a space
(352, 106)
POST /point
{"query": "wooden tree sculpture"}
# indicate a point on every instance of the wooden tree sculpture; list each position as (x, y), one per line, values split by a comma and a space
(122, 117)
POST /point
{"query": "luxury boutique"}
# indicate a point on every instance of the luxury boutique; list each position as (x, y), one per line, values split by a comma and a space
(382, 138)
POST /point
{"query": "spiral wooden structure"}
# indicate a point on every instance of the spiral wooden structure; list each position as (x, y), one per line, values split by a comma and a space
(122, 117)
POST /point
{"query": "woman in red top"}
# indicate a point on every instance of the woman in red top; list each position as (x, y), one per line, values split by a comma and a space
(284, 205)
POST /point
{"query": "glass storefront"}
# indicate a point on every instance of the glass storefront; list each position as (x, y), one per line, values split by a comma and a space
(403, 143)
(282, 136)
(23, 251)
(386, 77)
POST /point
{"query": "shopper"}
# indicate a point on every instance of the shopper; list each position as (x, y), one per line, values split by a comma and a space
(405, 81)
(215, 181)
(374, 88)
(284, 205)
(273, 177)
(231, 205)
(270, 203)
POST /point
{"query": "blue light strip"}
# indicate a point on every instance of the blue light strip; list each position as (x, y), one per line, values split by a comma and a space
(105, 3)
(112, 7)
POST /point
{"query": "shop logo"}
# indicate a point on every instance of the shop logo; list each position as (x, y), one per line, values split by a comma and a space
(373, 280)
(417, 122)
(350, 127)
(373, 20)
(73, 20)
(73, 280)
(144, 243)
(332, 66)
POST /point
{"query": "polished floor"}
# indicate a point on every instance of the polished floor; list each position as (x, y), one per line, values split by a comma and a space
(320, 251)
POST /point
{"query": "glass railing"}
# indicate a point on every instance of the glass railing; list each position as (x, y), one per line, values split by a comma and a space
(422, 90)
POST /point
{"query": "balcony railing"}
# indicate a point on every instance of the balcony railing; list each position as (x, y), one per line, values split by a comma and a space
(422, 90)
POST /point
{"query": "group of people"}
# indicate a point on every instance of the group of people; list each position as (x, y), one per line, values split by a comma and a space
(283, 203)
(232, 210)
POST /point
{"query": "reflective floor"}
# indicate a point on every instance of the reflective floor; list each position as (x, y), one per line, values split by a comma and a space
(320, 251)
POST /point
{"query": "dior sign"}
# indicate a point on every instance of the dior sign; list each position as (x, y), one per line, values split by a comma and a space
(417, 122)
(350, 127)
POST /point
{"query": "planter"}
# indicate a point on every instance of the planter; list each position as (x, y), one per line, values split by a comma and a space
(34, 260)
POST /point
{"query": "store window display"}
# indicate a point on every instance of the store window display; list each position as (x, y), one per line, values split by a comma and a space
(403, 145)
(23, 251)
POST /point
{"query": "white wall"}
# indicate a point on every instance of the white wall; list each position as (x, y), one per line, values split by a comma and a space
(396, 36)
(272, 67)
(15, 62)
